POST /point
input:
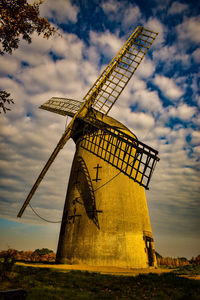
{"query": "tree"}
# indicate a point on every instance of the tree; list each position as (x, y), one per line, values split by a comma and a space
(4, 100)
(19, 19)
(43, 251)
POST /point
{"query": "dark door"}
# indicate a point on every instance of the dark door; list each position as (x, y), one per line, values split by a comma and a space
(149, 250)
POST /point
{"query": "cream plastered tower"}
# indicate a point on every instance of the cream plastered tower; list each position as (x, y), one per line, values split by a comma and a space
(105, 218)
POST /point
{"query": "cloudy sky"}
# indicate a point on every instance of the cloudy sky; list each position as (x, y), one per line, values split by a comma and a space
(160, 105)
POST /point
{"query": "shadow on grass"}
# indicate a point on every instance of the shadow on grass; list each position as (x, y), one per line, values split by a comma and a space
(188, 270)
(50, 284)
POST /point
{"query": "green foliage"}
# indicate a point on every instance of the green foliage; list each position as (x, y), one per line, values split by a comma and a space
(195, 260)
(183, 259)
(42, 283)
(7, 261)
(193, 269)
(19, 19)
(43, 251)
(4, 100)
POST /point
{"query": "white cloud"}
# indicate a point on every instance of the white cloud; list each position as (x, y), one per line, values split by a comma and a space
(175, 169)
(128, 15)
(170, 55)
(161, 5)
(157, 26)
(146, 69)
(189, 31)
(131, 14)
(197, 151)
(111, 6)
(138, 83)
(60, 11)
(168, 87)
(183, 112)
(25, 147)
(196, 137)
(135, 121)
(161, 131)
(177, 8)
(37, 53)
(195, 88)
(147, 100)
(40, 75)
(137, 94)
(106, 43)
(196, 55)
(27, 140)
(17, 92)
(9, 65)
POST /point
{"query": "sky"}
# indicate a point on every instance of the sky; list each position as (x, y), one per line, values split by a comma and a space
(160, 105)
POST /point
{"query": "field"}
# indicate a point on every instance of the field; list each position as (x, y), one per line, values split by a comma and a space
(49, 283)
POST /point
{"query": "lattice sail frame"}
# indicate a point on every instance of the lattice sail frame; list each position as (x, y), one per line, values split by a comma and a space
(62, 106)
(108, 87)
(126, 153)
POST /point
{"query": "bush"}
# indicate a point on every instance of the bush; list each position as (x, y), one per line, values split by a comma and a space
(7, 260)
(43, 251)
(195, 260)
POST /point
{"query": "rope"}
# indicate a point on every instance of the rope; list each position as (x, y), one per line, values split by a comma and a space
(42, 217)
(107, 181)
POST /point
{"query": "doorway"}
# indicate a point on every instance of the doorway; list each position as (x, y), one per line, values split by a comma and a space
(150, 251)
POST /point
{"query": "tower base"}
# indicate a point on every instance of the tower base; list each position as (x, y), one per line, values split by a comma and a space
(105, 219)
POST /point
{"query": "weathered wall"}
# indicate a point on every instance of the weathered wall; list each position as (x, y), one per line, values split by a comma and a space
(115, 235)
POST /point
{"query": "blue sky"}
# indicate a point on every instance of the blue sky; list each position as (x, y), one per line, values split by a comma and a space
(160, 105)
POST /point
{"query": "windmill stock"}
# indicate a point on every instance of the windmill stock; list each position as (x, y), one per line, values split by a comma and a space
(105, 218)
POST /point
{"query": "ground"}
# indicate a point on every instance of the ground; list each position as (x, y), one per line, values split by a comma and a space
(51, 281)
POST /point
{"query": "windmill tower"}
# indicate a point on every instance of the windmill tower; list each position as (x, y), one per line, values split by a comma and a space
(105, 218)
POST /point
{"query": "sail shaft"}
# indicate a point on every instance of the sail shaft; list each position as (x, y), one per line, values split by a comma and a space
(59, 146)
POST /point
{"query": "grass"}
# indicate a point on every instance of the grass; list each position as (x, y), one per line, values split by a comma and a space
(49, 284)
(188, 270)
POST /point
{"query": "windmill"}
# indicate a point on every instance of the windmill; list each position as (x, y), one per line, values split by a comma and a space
(105, 218)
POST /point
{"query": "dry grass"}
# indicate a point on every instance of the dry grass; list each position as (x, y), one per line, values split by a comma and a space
(98, 269)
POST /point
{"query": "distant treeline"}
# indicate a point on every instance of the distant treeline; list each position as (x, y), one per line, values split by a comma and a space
(39, 255)
(47, 255)
(176, 262)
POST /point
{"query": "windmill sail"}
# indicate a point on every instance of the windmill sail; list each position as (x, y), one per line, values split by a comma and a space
(108, 87)
(62, 106)
(124, 152)
(65, 137)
